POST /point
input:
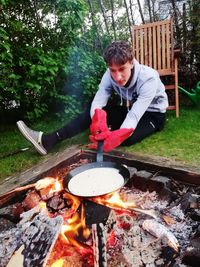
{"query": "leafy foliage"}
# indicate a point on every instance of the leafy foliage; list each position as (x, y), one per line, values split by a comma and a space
(85, 70)
(50, 50)
(35, 40)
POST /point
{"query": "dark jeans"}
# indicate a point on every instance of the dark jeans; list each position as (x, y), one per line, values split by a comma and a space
(149, 123)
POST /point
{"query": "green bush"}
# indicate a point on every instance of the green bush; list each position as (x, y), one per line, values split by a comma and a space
(34, 47)
(85, 72)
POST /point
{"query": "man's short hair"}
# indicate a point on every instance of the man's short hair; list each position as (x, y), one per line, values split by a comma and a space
(118, 52)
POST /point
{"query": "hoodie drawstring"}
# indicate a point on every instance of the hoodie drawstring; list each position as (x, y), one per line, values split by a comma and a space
(127, 101)
(121, 101)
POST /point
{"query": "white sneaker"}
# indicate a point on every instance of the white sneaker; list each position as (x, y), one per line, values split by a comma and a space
(32, 136)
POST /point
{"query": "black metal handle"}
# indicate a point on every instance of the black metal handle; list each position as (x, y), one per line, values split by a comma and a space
(100, 151)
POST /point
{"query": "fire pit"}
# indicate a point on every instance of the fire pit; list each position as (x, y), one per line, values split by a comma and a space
(152, 221)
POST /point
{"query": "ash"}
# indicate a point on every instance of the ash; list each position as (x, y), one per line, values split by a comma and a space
(129, 245)
(146, 200)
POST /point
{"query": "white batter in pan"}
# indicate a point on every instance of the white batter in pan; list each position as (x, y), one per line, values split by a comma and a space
(95, 182)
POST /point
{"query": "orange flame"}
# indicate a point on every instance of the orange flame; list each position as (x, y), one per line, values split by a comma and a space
(75, 201)
(56, 187)
(42, 204)
(114, 200)
(58, 263)
(71, 230)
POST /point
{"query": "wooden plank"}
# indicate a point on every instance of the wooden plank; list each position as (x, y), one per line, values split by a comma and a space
(136, 45)
(154, 48)
(141, 47)
(172, 107)
(133, 41)
(166, 72)
(176, 88)
(170, 87)
(146, 62)
(163, 66)
(159, 46)
(168, 54)
(147, 25)
(150, 45)
(172, 44)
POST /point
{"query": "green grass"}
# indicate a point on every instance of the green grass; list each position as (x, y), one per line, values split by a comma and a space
(180, 140)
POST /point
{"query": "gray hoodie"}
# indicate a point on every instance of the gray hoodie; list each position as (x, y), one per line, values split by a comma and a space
(145, 90)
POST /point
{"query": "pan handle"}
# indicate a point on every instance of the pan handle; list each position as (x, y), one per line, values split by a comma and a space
(100, 151)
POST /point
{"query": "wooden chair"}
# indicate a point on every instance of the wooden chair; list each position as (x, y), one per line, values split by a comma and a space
(153, 45)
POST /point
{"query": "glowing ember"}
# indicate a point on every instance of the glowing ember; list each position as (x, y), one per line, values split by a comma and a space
(67, 244)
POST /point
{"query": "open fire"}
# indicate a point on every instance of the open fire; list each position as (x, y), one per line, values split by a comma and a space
(130, 227)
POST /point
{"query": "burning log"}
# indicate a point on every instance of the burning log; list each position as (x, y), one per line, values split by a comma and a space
(31, 200)
(42, 183)
(19, 191)
(99, 245)
(38, 237)
(8, 244)
(56, 203)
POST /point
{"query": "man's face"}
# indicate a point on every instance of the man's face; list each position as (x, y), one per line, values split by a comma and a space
(121, 73)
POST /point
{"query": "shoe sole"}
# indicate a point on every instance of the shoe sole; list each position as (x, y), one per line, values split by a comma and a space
(24, 132)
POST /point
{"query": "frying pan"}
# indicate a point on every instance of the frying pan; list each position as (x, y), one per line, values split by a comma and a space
(89, 180)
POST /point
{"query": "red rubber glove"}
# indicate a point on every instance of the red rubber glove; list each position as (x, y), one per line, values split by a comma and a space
(111, 139)
(99, 122)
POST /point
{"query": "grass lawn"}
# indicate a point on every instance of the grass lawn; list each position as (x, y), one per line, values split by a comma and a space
(180, 140)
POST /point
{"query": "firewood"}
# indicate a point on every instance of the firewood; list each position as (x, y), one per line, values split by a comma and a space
(32, 199)
(42, 183)
(12, 212)
(37, 241)
(8, 244)
(99, 245)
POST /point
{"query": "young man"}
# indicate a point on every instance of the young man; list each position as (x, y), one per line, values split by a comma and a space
(139, 113)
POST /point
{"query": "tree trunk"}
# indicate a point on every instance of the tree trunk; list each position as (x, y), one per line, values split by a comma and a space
(104, 16)
(94, 24)
(113, 21)
(149, 10)
(175, 16)
(131, 10)
(140, 10)
(184, 37)
(38, 21)
(129, 22)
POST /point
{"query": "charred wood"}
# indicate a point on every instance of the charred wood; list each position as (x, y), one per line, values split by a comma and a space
(99, 245)
(12, 212)
(31, 200)
(95, 213)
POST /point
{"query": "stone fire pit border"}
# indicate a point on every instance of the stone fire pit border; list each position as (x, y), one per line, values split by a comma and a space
(184, 173)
